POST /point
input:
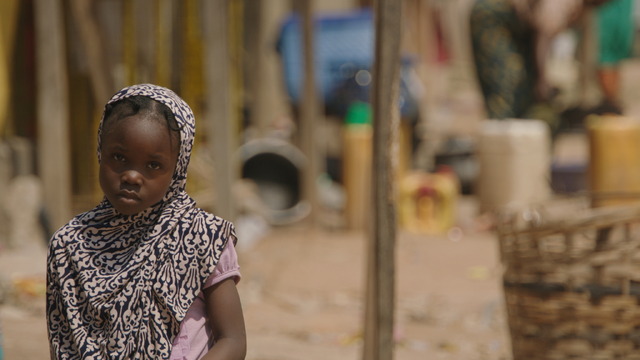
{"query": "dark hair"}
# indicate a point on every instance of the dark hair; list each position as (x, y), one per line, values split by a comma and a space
(133, 105)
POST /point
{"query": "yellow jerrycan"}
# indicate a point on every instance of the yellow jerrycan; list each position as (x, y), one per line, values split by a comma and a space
(614, 159)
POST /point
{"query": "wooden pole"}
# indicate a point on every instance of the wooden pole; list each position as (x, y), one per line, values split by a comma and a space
(8, 19)
(221, 134)
(256, 69)
(163, 29)
(53, 115)
(144, 29)
(102, 87)
(386, 117)
(587, 51)
(92, 43)
(309, 110)
(129, 43)
(191, 81)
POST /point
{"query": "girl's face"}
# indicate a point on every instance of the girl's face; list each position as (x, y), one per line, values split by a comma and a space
(138, 158)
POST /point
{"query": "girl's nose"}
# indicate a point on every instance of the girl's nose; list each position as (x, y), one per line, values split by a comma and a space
(131, 177)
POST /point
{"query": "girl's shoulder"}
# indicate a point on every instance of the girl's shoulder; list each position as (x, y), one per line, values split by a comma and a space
(219, 228)
(75, 225)
(63, 234)
(210, 218)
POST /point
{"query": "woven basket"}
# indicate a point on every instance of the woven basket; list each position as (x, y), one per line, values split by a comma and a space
(572, 281)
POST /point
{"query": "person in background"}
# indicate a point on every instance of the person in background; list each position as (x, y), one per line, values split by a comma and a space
(615, 29)
(146, 274)
(510, 41)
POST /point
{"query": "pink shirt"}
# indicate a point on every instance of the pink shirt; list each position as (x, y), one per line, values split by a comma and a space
(195, 338)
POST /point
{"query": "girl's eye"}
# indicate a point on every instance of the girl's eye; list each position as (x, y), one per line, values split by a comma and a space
(118, 157)
(154, 165)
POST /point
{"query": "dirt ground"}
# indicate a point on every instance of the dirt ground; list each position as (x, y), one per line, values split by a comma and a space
(302, 293)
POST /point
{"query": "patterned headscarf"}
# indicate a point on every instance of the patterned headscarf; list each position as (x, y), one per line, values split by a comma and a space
(118, 286)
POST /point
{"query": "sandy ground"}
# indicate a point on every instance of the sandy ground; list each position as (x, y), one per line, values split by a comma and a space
(302, 293)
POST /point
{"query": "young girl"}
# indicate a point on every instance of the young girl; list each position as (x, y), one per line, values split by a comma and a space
(146, 274)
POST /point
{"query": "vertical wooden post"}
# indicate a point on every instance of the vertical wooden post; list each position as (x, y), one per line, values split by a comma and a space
(256, 69)
(53, 115)
(144, 18)
(191, 81)
(386, 117)
(221, 133)
(235, 14)
(8, 19)
(589, 92)
(92, 43)
(129, 43)
(309, 109)
(102, 87)
(163, 30)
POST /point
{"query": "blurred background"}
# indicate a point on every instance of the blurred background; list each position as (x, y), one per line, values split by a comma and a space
(249, 59)
(239, 65)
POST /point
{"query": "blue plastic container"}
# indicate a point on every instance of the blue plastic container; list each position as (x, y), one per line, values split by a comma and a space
(344, 45)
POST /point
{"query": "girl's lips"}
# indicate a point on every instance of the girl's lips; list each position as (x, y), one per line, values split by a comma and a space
(128, 195)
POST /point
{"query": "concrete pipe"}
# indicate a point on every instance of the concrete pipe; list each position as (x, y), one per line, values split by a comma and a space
(276, 167)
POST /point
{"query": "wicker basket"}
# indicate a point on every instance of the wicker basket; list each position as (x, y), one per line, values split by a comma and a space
(572, 281)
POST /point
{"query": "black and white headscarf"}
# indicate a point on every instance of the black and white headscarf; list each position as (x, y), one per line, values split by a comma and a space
(118, 286)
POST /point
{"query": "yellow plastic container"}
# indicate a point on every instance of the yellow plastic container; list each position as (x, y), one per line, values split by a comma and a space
(357, 174)
(356, 165)
(357, 145)
(614, 166)
(427, 201)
